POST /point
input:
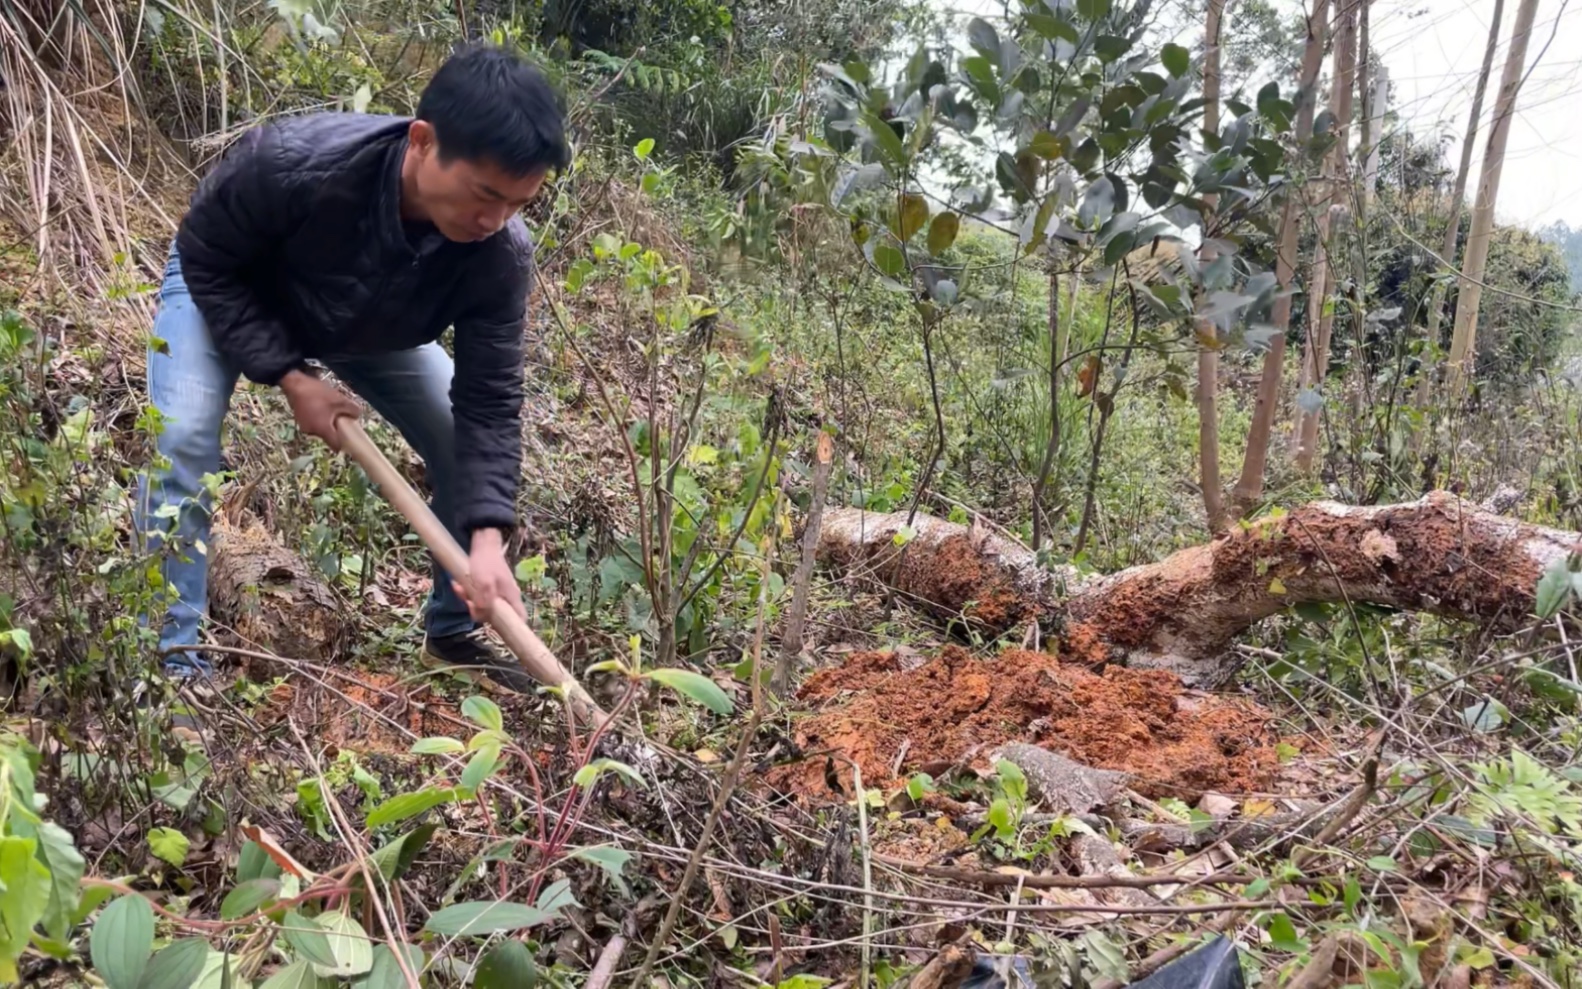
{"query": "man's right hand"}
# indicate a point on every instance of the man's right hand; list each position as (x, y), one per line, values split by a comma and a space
(316, 405)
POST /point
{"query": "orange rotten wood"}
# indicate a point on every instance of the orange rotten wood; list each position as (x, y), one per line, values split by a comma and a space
(528, 648)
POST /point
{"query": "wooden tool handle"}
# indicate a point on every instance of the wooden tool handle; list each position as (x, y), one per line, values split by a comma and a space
(528, 648)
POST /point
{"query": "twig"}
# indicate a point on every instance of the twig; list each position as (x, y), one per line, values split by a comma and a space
(1349, 810)
(981, 877)
(721, 799)
(349, 836)
(867, 872)
(604, 969)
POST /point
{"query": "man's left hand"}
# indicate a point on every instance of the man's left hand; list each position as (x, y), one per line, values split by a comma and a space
(492, 579)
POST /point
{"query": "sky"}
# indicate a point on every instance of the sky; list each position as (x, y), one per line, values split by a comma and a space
(1433, 49)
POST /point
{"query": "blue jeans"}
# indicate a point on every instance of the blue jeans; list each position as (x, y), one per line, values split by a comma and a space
(190, 383)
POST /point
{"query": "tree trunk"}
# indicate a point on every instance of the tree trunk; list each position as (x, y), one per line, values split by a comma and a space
(1439, 554)
(1320, 316)
(1458, 192)
(791, 646)
(1207, 355)
(1249, 488)
(1470, 291)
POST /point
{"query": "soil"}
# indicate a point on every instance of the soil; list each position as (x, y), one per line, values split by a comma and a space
(956, 709)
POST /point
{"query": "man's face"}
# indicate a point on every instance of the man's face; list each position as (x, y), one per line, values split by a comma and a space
(466, 200)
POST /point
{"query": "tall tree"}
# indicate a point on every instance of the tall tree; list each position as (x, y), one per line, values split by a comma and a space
(1208, 345)
(1249, 487)
(1321, 281)
(1470, 290)
(1458, 192)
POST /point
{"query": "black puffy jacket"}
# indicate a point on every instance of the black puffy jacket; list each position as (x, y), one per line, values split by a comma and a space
(294, 247)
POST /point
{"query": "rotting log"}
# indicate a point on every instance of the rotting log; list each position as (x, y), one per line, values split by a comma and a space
(1440, 555)
(268, 597)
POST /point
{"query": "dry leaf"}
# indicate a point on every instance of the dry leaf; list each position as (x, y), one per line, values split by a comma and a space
(274, 850)
(1258, 808)
(1088, 376)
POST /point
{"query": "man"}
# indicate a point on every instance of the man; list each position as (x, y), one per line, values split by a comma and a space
(355, 240)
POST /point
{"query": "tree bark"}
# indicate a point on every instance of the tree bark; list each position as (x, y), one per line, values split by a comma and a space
(1249, 488)
(1320, 316)
(791, 645)
(1208, 333)
(1439, 555)
(264, 596)
(1470, 291)
(1458, 192)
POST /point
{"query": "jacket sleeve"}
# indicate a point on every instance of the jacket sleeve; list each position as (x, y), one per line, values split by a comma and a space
(240, 212)
(486, 395)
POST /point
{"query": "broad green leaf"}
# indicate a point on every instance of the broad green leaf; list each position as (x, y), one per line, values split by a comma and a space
(885, 139)
(24, 899)
(588, 774)
(405, 805)
(349, 944)
(394, 859)
(911, 216)
(248, 898)
(942, 232)
(695, 686)
(1282, 934)
(58, 852)
(556, 897)
(219, 972)
(1485, 716)
(888, 259)
(1092, 10)
(1000, 817)
(482, 763)
(386, 970)
(1053, 28)
(254, 863)
(482, 917)
(984, 37)
(300, 975)
(611, 859)
(310, 940)
(1553, 588)
(1382, 863)
(508, 965)
(644, 148)
(1177, 60)
(438, 746)
(168, 845)
(483, 711)
(121, 939)
(1047, 146)
(176, 967)
(92, 897)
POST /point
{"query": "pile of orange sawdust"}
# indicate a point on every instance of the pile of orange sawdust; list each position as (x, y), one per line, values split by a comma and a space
(372, 712)
(957, 708)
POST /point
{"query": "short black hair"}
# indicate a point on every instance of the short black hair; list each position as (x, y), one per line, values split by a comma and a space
(486, 103)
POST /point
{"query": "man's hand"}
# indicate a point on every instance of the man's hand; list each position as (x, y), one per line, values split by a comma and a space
(316, 405)
(492, 579)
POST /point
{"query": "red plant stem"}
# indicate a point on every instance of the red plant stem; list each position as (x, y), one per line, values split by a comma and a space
(572, 811)
(216, 926)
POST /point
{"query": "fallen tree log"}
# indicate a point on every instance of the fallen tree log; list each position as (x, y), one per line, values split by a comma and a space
(1439, 554)
(264, 596)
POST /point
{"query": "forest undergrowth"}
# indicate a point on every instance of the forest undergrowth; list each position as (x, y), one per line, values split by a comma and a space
(828, 764)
